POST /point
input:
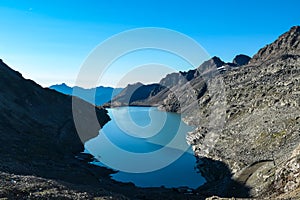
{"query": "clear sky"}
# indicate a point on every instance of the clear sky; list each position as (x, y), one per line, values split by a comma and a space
(48, 41)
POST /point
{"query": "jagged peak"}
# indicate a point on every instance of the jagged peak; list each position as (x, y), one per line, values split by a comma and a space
(135, 84)
(287, 43)
(61, 85)
(216, 59)
(295, 29)
(214, 62)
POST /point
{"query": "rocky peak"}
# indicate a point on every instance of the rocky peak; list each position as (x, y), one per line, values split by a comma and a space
(213, 63)
(288, 43)
(241, 59)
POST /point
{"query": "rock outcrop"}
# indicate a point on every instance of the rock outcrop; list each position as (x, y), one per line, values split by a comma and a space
(286, 44)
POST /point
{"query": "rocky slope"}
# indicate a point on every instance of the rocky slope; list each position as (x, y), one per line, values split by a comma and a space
(256, 130)
(29, 110)
(133, 94)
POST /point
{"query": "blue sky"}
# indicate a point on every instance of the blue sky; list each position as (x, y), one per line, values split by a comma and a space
(48, 41)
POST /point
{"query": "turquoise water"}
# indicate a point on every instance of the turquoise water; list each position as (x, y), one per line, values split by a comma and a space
(147, 147)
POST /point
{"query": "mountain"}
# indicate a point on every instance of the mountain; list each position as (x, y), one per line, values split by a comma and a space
(23, 107)
(241, 60)
(101, 94)
(248, 119)
(133, 94)
(287, 44)
(162, 93)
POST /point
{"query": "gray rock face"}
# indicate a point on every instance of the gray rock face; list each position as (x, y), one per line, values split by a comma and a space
(260, 110)
(286, 44)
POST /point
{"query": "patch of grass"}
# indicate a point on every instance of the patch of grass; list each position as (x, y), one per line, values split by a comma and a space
(279, 135)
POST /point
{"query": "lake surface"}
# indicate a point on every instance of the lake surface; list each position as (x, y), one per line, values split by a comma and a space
(147, 147)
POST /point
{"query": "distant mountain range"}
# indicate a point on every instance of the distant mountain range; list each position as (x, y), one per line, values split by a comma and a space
(159, 94)
(97, 96)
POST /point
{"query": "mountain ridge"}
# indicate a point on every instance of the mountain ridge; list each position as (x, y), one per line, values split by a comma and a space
(97, 96)
(160, 91)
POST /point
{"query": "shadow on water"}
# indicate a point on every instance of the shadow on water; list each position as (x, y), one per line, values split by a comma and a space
(219, 180)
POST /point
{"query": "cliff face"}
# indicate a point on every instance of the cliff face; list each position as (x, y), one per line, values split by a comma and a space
(256, 130)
